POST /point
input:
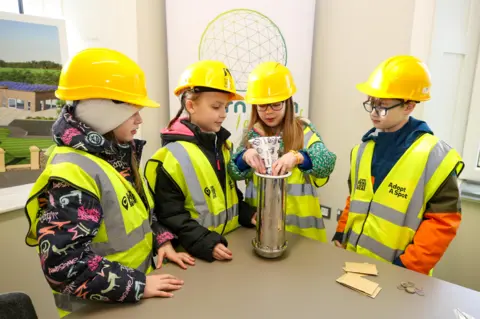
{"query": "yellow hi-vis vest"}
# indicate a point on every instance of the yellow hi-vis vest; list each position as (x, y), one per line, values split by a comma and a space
(191, 170)
(125, 234)
(382, 224)
(304, 216)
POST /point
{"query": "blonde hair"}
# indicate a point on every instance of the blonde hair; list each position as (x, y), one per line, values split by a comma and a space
(291, 126)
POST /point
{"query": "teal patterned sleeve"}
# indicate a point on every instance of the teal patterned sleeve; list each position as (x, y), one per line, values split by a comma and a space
(234, 172)
(323, 160)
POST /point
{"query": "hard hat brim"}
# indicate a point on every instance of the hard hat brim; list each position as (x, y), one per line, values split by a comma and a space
(71, 95)
(145, 103)
(237, 97)
(366, 89)
(233, 96)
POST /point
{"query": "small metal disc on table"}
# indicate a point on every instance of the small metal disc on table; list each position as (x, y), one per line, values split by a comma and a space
(407, 284)
(410, 290)
(400, 287)
(419, 292)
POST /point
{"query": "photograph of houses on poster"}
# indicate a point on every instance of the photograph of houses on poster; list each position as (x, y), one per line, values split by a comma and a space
(30, 65)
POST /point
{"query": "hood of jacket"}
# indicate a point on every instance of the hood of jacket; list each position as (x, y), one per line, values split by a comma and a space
(184, 130)
(390, 146)
(69, 131)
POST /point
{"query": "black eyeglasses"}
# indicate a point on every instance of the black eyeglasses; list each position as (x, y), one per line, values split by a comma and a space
(274, 106)
(380, 110)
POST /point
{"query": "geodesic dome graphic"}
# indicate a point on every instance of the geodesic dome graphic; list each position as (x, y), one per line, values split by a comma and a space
(242, 38)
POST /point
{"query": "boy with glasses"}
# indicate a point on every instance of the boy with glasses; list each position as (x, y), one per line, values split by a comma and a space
(404, 205)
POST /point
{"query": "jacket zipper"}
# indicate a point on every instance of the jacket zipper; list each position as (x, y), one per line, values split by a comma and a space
(217, 160)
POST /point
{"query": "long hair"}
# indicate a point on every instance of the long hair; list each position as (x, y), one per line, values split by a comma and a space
(291, 127)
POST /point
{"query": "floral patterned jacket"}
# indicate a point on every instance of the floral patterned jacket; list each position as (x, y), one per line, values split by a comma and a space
(319, 163)
(65, 234)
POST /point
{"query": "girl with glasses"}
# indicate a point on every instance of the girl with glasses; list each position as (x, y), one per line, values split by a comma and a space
(270, 89)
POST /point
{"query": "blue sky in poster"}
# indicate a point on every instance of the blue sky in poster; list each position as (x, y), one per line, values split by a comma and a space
(21, 42)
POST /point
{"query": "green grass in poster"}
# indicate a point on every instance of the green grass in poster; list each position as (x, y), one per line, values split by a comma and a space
(17, 149)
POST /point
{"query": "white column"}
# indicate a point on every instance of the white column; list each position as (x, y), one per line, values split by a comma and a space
(135, 28)
(454, 50)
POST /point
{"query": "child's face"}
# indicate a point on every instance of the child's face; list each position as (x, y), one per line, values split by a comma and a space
(208, 111)
(127, 130)
(271, 114)
(388, 113)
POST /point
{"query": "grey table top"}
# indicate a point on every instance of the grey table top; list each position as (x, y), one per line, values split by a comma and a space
(300, 284)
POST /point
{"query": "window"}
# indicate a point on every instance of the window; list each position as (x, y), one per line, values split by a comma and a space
(43, 8)
(12, 103)
(20, 104)
(471, 149)
(454, 62)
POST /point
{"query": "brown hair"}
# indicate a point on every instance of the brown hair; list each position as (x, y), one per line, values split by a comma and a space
(192, 96)
(291, 126)
(137, 179)
(186, 95)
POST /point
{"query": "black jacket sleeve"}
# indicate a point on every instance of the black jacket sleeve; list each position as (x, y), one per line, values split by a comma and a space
(245, 211)
(170, 211)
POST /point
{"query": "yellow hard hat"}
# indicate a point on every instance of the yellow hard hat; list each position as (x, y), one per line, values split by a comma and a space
(269, 82)
(208, 74)
(99, 73)
(399, 77)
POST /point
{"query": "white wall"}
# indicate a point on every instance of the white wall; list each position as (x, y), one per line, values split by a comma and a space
(350, 40)
(452, 61)
(137, 29)
(344, 55)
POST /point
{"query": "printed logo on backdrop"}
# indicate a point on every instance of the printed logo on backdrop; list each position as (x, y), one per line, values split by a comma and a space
(243, 38)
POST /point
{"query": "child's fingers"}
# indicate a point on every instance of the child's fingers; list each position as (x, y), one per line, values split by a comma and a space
(225, 250)
(225, 255)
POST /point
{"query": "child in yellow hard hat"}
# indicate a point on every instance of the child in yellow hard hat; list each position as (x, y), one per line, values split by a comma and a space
(194, 195)
(404, 205)
(270, 89)
(89, 211)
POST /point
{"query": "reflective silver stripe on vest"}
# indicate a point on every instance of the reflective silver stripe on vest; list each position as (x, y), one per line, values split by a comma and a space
(305, 222)
(71, 303)
(118, 239)
(305, 189)
(360, 151)
(205, 218)
(435, 158)
(307, 137)
(375, 246)
(251, 190)
(292, 189)
(211, 220)
(409, 219)
(359, 207)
